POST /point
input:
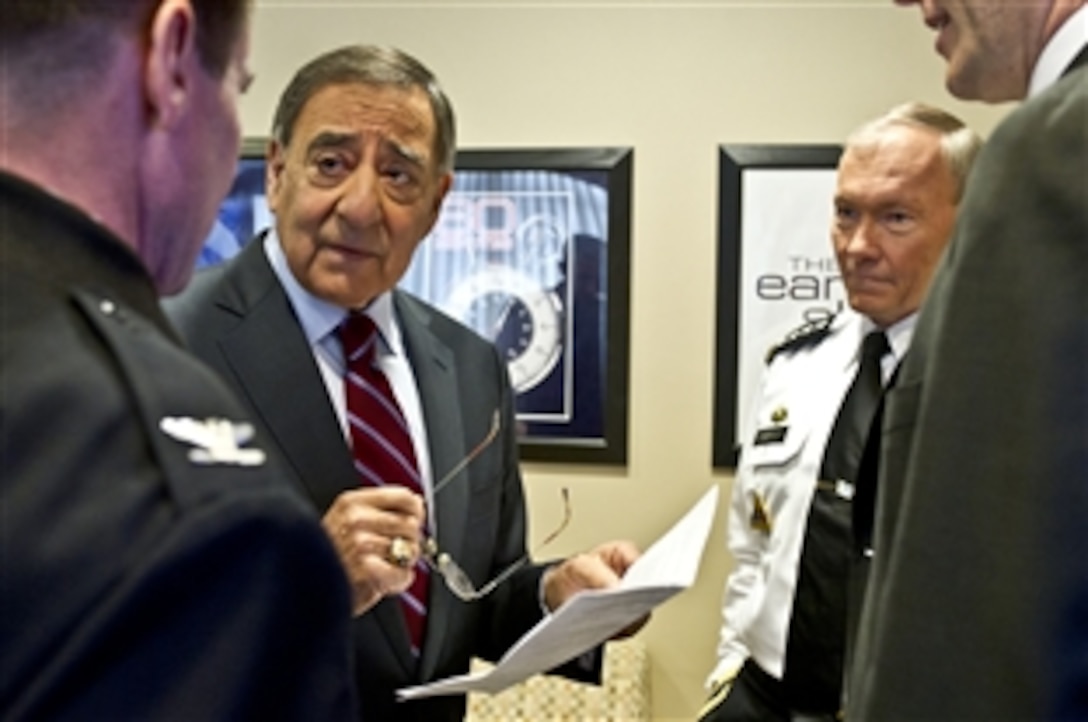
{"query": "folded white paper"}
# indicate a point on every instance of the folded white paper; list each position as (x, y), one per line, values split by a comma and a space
(591, 617)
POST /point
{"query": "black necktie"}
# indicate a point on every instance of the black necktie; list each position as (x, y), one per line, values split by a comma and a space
(864, 507)
(815, 645)
(847, 441)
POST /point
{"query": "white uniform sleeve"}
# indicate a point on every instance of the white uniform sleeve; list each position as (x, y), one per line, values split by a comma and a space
(745, 586)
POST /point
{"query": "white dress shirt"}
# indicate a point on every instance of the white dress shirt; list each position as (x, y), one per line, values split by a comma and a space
(1059, 52)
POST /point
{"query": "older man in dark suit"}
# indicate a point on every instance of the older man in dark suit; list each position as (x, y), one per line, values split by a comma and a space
(977, 599)
(360, 161)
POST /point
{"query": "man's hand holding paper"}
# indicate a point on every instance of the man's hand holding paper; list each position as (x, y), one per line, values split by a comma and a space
(587, 615)
(601, 568)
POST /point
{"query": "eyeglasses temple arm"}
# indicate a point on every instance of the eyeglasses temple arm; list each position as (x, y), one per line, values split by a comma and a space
(484, 443)
(494, 583)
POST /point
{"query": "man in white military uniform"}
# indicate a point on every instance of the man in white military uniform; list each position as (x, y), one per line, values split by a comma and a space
(783, 637)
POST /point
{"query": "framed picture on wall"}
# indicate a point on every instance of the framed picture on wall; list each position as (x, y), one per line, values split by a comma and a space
(531, 251)
(776, 268)
(244, 212)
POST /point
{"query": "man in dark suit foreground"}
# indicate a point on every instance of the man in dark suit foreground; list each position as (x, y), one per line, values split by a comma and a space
(152, 564)
(360, 160)
(979, 586)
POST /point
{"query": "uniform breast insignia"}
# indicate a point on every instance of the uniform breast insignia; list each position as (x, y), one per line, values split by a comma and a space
(214, 441)
(760, 520)
(809, 334)
(772, 435)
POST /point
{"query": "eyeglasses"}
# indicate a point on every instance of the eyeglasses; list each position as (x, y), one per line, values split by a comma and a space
(456, 579)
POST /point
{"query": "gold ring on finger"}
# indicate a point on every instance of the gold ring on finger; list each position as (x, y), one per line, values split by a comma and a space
(400, 552)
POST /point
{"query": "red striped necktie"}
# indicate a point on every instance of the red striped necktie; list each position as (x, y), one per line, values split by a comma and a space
(381, 443)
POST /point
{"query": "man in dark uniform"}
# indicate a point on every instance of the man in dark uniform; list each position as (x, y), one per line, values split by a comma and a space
(152, 564)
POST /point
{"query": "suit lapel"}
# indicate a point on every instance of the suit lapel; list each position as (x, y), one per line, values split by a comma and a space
(275, 368)
(277, 373)
(436, 376)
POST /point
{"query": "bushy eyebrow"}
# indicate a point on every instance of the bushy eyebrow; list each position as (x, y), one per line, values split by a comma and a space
(330, 139)
(333, 139)
(407, 154)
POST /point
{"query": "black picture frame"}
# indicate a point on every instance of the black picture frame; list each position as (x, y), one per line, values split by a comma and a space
(803, 282)
(244, 212)
(532, 248)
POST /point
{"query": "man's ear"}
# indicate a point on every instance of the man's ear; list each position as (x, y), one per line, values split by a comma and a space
(170, 59)
(444, 185)
(275, 157)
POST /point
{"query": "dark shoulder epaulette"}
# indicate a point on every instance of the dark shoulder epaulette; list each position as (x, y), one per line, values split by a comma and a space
(804, 336)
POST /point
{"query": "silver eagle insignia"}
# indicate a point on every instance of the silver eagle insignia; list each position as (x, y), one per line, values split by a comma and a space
(214, 441)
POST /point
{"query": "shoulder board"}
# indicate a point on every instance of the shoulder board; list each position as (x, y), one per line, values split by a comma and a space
(809, 334)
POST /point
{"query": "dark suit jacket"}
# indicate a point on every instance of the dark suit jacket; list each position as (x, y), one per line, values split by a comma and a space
(134, 583)
(977, 607)
(238, 318)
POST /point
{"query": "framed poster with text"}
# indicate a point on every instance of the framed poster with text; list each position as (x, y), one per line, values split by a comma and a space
(776, 268)
(531, 251)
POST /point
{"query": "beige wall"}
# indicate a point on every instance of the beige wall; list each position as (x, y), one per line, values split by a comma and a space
(673, 80)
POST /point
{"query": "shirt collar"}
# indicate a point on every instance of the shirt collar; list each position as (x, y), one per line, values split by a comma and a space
(382, 312)
(1059, 52)
(899, 334)
(319, 318)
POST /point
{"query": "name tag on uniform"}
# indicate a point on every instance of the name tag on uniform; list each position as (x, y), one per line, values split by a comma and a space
(773, 435)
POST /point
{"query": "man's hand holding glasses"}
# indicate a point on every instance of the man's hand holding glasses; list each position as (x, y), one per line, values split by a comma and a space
(376, 533)
(379, 533)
